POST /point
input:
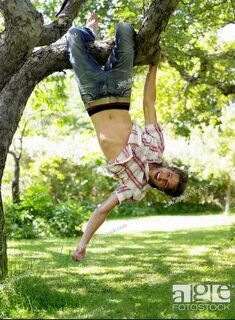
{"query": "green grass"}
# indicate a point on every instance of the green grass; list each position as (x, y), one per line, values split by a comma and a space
(123, 276)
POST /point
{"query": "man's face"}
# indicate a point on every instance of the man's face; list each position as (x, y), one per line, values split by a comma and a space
(164, 178)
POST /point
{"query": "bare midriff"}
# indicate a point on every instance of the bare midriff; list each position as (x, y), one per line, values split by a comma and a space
(113, 128)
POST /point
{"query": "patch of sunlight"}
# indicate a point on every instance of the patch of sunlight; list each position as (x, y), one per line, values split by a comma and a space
(152, 242)
(157, 240)
(66, 314)
(177, 271)
(90, 270)
(115, 300)
(133, 246)
(165, 223)
(148, 257)
(155, 279)
(100, 270)
(230, 251)
(225, 264)
(125, 269)
(15, 255)
(19, 252)
(20, 313)
(118, 285)
(82, 291)
(173, 259)
(99, 250)
(198, 268)
(112, 275)
(198, 250)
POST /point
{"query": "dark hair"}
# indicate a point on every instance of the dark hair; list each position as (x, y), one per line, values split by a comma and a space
(181, 186)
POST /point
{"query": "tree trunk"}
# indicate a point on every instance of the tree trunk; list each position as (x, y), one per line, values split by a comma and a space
(3, 244)
(228, 196)
(15, 186)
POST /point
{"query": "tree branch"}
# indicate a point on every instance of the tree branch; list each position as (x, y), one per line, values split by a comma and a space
(154, 23)
(23, 26)
(46, 61)
(149, 33)
(16, 12)
(55, 30)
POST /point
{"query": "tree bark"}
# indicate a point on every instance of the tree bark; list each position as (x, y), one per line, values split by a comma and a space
(148, 38)
(3, 244)
(23, 27)
(22, 67)
(228, 196)
(15, 186)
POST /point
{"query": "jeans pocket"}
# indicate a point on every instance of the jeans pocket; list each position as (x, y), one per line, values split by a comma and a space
(126, 92)
(87, 96)
(125, 86)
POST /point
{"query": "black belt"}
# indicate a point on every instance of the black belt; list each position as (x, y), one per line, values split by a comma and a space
(101, 107)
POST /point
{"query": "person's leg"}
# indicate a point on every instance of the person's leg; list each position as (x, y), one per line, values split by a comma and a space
(87, 71)
(80, 58)
(119, 66)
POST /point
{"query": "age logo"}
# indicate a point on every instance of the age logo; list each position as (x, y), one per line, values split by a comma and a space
(201, 296)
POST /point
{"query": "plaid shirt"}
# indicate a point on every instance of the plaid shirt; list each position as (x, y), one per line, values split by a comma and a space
(131, 167)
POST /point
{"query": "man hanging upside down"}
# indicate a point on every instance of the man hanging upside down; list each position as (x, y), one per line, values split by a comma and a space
(134, 155)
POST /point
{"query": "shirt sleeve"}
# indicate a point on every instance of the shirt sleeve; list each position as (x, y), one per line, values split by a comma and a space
(155, 131)
(124, 193)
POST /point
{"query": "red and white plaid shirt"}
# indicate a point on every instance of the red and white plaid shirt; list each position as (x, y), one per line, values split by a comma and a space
(131, 167)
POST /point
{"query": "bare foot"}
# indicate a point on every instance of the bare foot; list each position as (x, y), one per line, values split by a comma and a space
(92, 21)
(79, 254)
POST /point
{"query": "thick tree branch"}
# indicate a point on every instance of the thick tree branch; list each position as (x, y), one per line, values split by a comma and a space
(55, 58)
(147, 39)
(23, 26)
(147, 42)
(16, 12)
(41, 64)
(55, 30)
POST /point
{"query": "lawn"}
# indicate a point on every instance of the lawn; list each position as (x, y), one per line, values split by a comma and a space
(123, 276)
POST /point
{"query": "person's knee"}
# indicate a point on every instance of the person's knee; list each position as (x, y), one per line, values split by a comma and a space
(75, 31)
(74, 36)
(125, 27)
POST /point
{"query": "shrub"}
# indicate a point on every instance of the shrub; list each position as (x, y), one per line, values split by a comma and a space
(67, 220)
(36, 216)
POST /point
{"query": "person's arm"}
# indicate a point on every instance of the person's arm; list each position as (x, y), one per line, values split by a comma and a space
(150, 115)
(95, 221)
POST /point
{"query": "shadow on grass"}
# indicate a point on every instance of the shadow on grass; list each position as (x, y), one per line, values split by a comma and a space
(123, 276)
(37, 293)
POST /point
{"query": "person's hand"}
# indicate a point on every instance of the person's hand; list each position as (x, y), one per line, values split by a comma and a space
(79, 254)
(152, 67)
(161, 59)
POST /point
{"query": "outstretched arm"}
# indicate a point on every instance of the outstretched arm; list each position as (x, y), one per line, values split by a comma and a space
(150, 96)
(96, 220)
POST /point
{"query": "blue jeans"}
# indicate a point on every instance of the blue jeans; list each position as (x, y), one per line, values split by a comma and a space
(115, 78)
